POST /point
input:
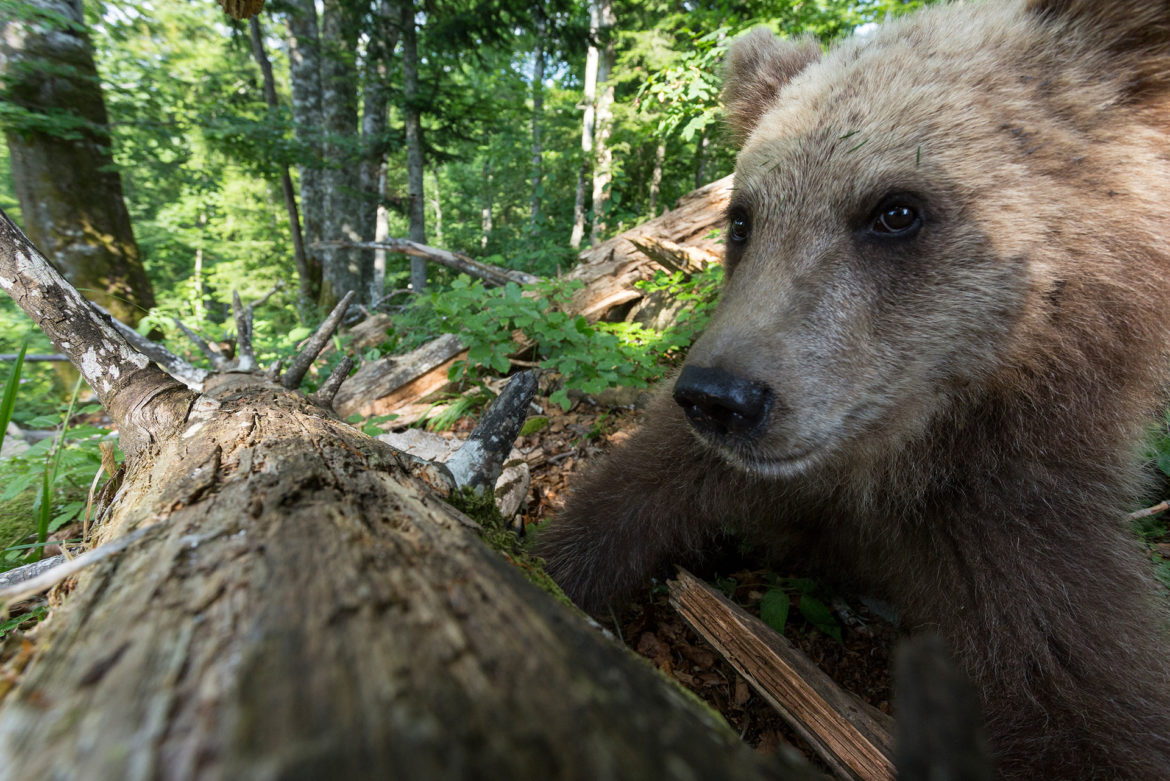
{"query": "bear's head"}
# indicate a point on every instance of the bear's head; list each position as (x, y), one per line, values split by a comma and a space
(952, 213)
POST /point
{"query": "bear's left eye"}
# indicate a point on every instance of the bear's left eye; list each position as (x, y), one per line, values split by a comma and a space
(896, 218)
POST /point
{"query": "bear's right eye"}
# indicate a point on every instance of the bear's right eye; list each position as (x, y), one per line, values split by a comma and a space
(740, 228)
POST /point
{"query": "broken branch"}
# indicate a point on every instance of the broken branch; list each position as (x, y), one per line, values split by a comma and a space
(315, 344)
(853, 739)
(478, 463)
(492, 275)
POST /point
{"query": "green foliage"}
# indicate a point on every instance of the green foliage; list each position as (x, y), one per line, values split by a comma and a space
(45, 487)
(18, 622)
(589, 356)
(776, 602)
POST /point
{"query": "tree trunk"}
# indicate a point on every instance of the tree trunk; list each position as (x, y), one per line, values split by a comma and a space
(375, 97)
(588, 102)
(656, 178)
(291, 603)
(414, 149)
(701, 160)
(537, 112)
(603, 155)
(438, 207)
(305, 298)
(344, 269)
(381, 233)
(485, 221)
(69, 191)
(304, 56)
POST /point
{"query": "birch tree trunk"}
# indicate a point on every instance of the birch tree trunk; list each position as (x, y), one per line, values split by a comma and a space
(69, 191)
(414, 151)
(485, 220)
(290, 602)
(588, 102)
(656, 179)
(603, 155)
(304, 56)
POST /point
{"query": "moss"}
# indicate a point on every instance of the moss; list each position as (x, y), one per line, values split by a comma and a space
(494, 530)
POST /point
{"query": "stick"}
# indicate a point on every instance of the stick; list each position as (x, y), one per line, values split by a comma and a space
(853, 739)
(478, 463)
(493, 275)
(315, 344)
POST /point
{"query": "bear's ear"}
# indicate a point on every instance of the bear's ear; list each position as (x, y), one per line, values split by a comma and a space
(758, 65)
(1134, 33)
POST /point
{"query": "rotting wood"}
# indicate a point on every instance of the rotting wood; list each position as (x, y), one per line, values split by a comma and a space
(852, 738)
(380, 387)
(492, 275)
(610, 269)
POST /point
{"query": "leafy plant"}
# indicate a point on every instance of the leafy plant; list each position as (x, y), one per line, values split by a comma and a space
(495, 323)
(776, 604)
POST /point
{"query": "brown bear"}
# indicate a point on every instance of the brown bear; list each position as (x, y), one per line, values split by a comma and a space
(941, 338)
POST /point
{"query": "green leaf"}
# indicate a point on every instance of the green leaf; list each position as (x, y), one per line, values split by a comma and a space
(774, 608)
(818, 614)
(561, 398)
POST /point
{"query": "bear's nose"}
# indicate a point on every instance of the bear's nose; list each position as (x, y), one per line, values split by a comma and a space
(720, 403)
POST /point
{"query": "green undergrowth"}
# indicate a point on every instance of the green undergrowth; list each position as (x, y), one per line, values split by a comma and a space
(495, 531)
(589, 357)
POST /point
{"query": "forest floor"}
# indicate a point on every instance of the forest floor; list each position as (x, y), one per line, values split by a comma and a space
(859, 662)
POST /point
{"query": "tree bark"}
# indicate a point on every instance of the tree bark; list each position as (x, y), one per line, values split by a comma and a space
(537, 116)
(305, 283)
(485, 222)
(292, 603)
(63, 171)
(603, 155)
(304, 57)
(656, 179)
(375, 99)
(588, 103)
(414, 148)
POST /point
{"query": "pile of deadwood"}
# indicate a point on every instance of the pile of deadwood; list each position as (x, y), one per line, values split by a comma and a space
(271, 594)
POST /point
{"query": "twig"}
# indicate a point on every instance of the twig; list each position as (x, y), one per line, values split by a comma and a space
(493, 275)
(316, 343)
(36, 357)
(47, 579)
(213, 354)
(324, 395)
(245, 358)
(1160, 507)
(191, 376)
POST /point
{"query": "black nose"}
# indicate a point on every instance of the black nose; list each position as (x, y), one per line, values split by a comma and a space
(718, 402)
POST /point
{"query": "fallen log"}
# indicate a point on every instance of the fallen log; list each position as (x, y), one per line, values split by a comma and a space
(691, 233)
(384, 386)
(292, 603)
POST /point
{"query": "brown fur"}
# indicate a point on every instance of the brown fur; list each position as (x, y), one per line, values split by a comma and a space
(958, 415)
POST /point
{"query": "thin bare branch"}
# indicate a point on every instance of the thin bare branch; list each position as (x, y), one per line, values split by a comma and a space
(35, 357)
(245, 358)
(45, 580)
(212, 353)
(324, 395)
(316, 343)
(1160, 507)
(493, 275)
(273, 372)
(172, 364)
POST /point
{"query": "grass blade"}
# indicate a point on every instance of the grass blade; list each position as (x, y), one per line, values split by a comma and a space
(49, 476)
(8, 401)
